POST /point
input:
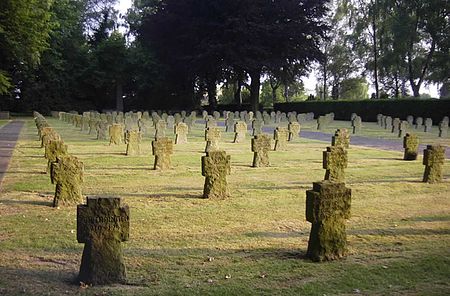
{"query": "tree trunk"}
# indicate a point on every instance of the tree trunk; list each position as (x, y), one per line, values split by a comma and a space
(119, 96)
(254, 89)
(325, 78)
(212, 92)
(375, 53)
(238, 91)
(416, 86)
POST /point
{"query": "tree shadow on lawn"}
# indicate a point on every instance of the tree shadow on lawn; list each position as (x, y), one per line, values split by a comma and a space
(28, 202)
(162, 195)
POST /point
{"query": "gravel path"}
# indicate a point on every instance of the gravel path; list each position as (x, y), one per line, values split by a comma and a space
(9, 134)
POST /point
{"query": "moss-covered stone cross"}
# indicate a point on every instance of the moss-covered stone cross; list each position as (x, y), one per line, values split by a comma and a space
(162, 149)
(133, 140)
(280, 135)
(327, 208)
(102, 224)
(67, 174)
(334, 162)
(433, 159)
(261, 144)
(212, 137)
(411, 145)
(216, 165)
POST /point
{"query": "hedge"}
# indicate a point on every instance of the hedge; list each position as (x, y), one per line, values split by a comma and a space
(368, 109)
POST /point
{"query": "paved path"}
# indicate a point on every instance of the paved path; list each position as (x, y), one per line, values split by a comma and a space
(9, 134)
(383, 144)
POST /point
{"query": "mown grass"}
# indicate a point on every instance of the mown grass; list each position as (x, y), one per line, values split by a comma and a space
(252, 243)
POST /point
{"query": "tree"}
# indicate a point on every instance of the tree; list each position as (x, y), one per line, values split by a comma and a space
(246, 36)
(354, 89)
(24, 32)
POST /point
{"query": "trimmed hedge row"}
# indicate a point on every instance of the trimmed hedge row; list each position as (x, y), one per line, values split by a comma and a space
(368, 109)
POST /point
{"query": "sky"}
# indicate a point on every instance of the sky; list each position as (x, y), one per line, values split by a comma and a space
(310, 81)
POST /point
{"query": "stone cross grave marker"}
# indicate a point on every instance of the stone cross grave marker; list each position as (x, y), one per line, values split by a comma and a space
(216, 115)
(216, 165)
(380, 119)
(411, 145)
(443, 129)
(327, 207)
(47, 134)
(67, 174)
(93, 123)
(162, 150)
(433, 159)
(257, 126)
(334, 162)
(261, 144)
(102, 225)
(356, 124)
(133, 141)
(387, 122)
(210, 122)
(402, 128)
(294, 130)
(181, 131)
(240, 130)
(170, 121)
(280, 135)
(229, 122)
(395, 125)
(102, 130)
(341, 138)
(115, 134)
(410, 120)
(428, 125)
(419, 123)
(212, 138)
(160, 127)
(54, 149)
(321, 122)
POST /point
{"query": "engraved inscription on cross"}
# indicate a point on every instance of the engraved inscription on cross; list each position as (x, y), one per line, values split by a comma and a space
(260, 147)
(335, 161)
(216, 165)
(162, 149)
(102, 224)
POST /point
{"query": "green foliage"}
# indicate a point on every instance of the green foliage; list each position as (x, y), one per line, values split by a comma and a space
(354, 89)
(368, 109)
(24, 34)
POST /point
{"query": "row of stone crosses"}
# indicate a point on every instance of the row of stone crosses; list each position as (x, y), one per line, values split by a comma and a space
(102, 224)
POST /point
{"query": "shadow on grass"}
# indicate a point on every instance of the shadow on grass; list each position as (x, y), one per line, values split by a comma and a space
(25, 172)
(438, 218)
(28, 202)
(398, 231)
(162, 195)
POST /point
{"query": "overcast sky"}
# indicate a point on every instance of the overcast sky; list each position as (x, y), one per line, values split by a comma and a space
(310, 82)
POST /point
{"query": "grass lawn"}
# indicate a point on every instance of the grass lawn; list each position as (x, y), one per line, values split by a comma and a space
(253, 243)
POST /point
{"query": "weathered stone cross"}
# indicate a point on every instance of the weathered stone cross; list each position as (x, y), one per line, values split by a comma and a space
(67, 173)
(260, 147)
(280, 135)
(433, 159)
(335, 161)
(216, 165)
(102, 225)
(133, 139)
(327, 208)
(162, 150)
